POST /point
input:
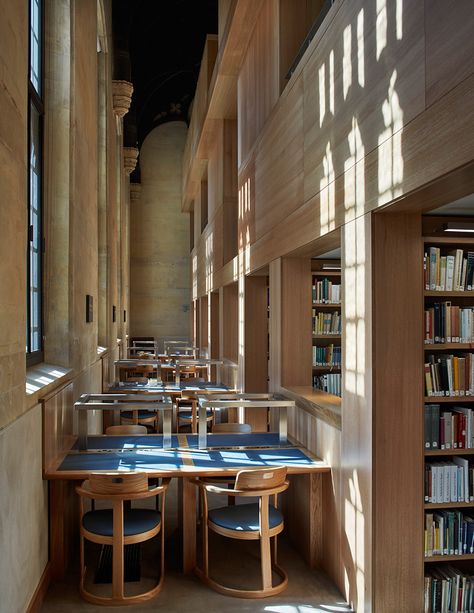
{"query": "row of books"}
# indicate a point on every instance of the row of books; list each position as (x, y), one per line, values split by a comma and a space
(449, 429)
(330, 383)
(329, 355)
(447, 323)
(326, 323)
(449, 481)
(447, 271)
(326, 292)
(448, 590)
(448, 533)
(449, 375)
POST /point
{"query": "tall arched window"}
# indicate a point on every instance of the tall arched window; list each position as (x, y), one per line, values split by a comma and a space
(34, 333)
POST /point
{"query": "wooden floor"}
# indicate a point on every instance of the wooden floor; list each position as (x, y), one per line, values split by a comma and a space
(231, 561)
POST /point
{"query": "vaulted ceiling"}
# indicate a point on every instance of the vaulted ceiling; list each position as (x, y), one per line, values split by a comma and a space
(164, 42)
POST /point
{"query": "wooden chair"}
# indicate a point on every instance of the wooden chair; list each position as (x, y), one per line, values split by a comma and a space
(186, 411)
(231, 428)
(120, 526)
(255, 521)
(133, 429)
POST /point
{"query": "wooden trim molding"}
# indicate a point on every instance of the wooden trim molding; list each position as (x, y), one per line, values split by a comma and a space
(41, 590)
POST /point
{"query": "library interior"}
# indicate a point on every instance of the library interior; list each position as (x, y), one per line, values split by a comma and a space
(237, 306)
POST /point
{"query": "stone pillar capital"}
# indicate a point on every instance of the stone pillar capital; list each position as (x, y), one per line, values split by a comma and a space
(122, 97)
(130, 156)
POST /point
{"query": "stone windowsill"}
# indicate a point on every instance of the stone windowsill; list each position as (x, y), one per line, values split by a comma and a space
(43, 378)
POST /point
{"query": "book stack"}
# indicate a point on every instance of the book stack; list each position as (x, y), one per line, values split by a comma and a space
(450, 429)
(449, 481)
(330, 355)
(326, 292)
(449, 375)
(330, 383)
(448, 590)
(326, 323)
(448, 323)
(448, 533)
(450, 271)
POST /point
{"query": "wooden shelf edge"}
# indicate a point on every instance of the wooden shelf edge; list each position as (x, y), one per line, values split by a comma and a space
(317, 403)
(466, 556)
(448, 505)
(439, 346)
(448, 452)
(438, 399)
(457, 294)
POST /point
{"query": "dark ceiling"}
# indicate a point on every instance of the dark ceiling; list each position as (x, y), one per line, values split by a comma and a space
(164, 42)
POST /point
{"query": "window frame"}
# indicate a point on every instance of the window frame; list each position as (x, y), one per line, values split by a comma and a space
(35, 99)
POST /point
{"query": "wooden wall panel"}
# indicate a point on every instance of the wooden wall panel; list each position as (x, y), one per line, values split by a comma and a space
(58, 433)
(230, 322)
(296, 336)
(258, 83)
(204, 327)
(398, 413)
(449, 45)
(256, 347)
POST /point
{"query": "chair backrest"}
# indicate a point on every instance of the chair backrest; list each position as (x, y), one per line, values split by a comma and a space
(232, 428)
(131, 429)
(115, 484)
(261, 478)
(137, 379)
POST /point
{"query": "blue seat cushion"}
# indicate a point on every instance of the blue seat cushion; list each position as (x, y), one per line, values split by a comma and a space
(243, 517)
(141, 414)
(189, 414)
(135, 521)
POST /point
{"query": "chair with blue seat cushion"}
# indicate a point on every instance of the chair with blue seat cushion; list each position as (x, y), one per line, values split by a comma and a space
(120, 526)
(186, 410)
(254, 521)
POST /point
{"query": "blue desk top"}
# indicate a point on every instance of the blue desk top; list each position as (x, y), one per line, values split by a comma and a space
(155, 441)
(187, 462)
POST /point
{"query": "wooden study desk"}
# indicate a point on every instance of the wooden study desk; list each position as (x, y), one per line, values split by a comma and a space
(225, 456)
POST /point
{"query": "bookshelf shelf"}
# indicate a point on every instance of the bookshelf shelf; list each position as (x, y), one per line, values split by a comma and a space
(327, 368)
(442, 346)
(449, 452)
(326, 336)
(327, 304)
(448, 240)
(466, 556)
(449, 505)
(435, 294)
(438, 399)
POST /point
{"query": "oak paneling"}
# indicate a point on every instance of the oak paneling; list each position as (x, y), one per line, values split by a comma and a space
(258, 83)
(398, 414)
(256, 347)
(230, 321)
(296, 336)
(449, 45)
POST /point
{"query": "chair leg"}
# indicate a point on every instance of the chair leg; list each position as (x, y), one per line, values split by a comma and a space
(266, 562)
(117, 552)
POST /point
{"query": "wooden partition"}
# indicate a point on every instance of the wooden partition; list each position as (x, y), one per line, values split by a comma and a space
(256, 346)
(296, 338)
(203, 327)
(230, 322)
(397, 416)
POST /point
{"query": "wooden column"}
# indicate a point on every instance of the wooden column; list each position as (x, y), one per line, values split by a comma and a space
(398, 413)
(256, 347)
(296, 336)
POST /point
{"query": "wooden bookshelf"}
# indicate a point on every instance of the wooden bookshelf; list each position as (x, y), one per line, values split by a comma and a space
(447, 246)
(318, 273)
